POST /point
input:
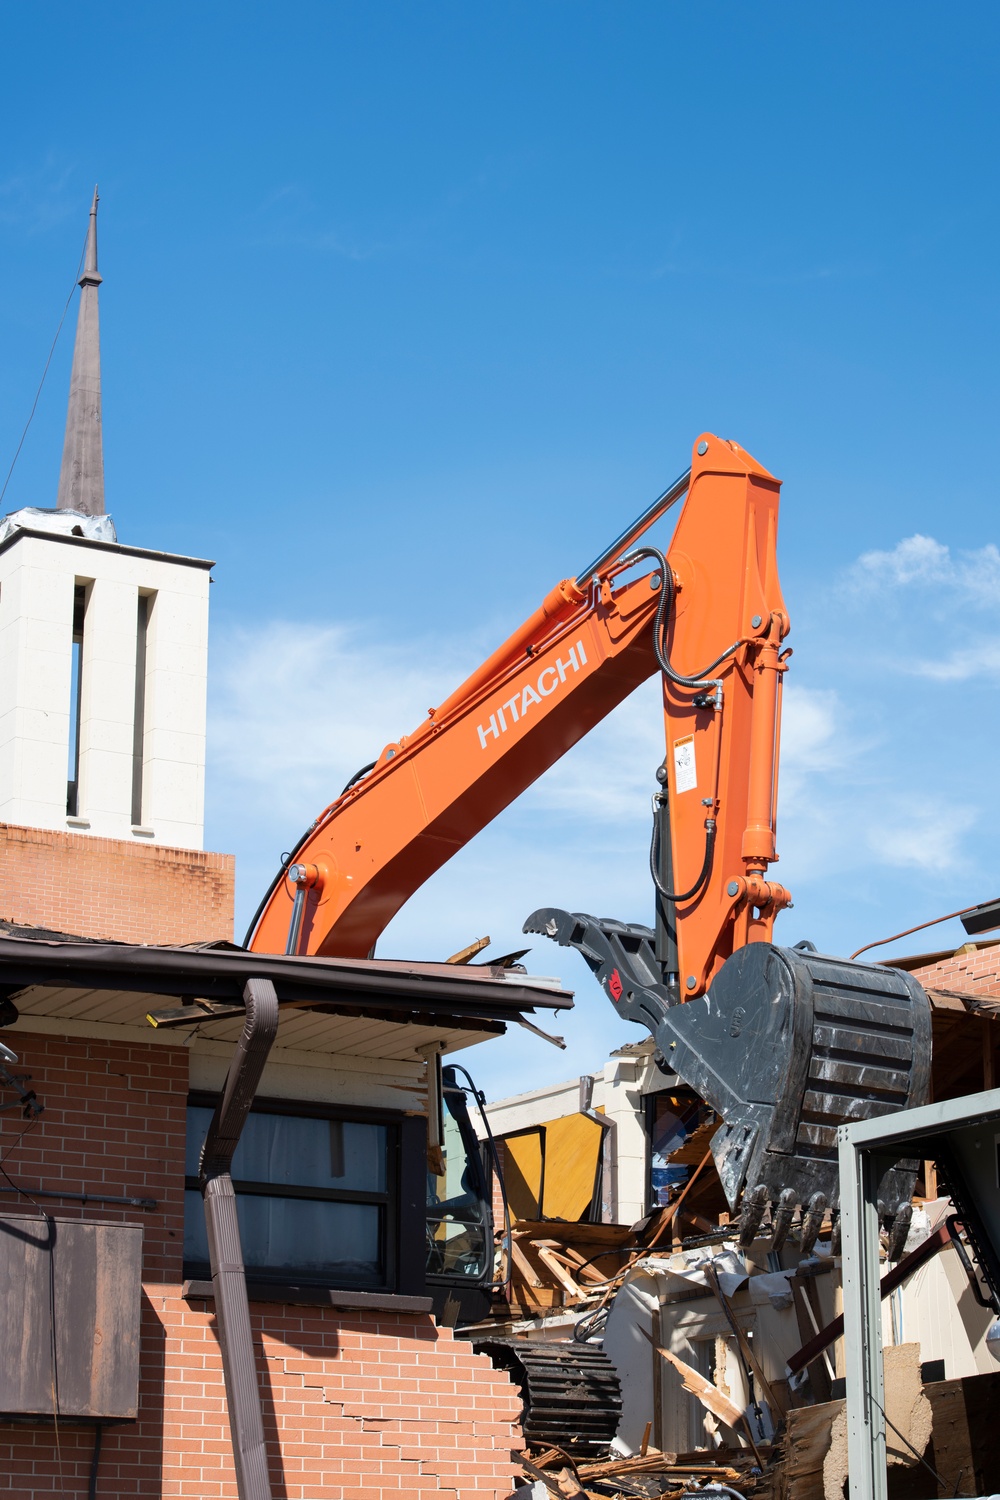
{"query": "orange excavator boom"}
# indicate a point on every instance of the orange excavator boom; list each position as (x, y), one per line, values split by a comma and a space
(785, 1044)
(587, 647)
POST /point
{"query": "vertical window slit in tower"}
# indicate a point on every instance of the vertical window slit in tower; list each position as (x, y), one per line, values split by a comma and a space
(139, 720)
(75, 699)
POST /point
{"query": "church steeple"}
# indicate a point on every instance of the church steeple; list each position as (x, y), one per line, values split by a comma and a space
(81, 479)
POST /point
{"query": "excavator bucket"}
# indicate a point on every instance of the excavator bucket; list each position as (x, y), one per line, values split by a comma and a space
(786, 1045)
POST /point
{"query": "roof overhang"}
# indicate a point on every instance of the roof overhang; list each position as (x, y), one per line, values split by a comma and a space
(77, 979)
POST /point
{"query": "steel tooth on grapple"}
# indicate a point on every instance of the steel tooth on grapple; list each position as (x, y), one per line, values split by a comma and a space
(784, 1213)
(752, 1216)
(786, 1046)
(899, 1230)
(812, 1222)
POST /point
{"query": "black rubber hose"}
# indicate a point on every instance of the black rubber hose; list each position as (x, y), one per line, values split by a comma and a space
(664, 608)
(706, 865)
(289, 860)
(358, 775)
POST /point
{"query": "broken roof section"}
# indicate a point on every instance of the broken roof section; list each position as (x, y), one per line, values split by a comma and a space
(325, 1004)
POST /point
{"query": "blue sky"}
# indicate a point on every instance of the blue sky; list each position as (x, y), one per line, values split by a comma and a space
(407, 308)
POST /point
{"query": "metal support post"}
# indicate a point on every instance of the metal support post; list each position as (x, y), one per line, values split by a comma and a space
(860, 1173)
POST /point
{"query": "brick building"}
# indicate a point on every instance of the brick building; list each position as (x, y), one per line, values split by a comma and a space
(113, 1377)
(364, 1390)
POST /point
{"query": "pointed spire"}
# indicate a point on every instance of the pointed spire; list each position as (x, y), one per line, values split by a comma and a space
(81, 479)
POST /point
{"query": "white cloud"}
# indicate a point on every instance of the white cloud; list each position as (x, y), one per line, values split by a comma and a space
(982, 660)
(921, 560)
(810, 720)
(297, 709)
(921, 834)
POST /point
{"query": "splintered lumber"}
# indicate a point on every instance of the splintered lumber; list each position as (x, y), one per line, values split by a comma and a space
(655, 1463)
(548, 1253)
(778, 1407)
(563, 1484)
(569, 1262)
(807, 1443)
(708, 1394)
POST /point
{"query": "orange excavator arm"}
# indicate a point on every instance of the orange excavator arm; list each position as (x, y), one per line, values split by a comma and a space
(588, 646)
(785, 1044)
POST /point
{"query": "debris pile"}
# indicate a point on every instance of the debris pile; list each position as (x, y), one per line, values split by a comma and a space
(648, 1474)
(649, 1368)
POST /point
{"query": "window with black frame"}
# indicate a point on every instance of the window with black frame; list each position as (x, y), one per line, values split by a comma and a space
(315, 1195)
(459, 1226)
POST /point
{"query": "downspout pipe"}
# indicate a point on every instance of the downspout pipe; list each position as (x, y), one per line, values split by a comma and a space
(246, 1423)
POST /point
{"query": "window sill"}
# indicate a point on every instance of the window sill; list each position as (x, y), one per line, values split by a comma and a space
(316, 1296)
(77, 822)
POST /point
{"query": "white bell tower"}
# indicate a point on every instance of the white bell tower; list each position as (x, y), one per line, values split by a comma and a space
(103, 649)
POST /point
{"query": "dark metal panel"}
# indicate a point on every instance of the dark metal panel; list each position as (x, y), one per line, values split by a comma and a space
(571, 1392)
(70, 1294)
(411, 1248)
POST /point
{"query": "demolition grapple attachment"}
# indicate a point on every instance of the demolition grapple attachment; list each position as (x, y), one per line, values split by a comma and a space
(786, 1045)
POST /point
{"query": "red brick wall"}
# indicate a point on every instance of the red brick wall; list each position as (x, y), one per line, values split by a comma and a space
(977, 971)
(107, 888)
(359, 1406)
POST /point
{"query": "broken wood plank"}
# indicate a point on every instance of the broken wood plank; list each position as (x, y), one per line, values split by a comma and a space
(778, 1408)
(708, 1394)
(544, 1250)
(528, 1272)
(965, 1450)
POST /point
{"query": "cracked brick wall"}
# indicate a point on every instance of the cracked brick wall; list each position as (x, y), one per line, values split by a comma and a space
(974, 968)
(360, 1406)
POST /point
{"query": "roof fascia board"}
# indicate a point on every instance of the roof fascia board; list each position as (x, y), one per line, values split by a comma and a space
(220, 976)
(86, 541)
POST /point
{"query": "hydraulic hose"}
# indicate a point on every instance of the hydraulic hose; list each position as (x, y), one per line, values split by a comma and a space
(702, 680)
(358, 775)
(663, 609)
(706, 866)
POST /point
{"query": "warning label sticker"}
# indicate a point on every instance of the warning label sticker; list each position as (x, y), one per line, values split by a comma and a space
(685, 770)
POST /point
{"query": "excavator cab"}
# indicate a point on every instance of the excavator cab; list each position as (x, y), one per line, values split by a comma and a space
(459, 1212)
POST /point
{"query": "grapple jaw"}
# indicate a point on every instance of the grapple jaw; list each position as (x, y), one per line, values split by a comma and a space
(787, 1045)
